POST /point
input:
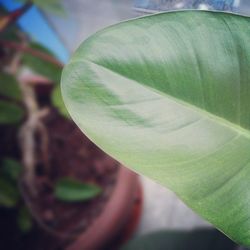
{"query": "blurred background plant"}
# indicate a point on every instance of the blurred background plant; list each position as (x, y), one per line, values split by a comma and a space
(55, 184)
(21, 114)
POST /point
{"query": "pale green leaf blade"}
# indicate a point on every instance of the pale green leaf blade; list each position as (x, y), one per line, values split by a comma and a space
(168, 95)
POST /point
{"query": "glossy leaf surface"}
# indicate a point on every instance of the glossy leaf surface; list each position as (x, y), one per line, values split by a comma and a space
(168, 95)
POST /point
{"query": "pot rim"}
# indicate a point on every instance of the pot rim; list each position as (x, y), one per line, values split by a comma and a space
(113, 216)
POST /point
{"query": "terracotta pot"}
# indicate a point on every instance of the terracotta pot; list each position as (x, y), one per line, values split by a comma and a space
(114, 216)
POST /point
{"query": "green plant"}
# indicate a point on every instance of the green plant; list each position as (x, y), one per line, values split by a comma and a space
(53, 6)
(10, 196)
(70, 190)
(168, 95)
(19, 109)
(11, 111)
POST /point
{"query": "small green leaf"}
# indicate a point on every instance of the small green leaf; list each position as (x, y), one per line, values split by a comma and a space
(47, 69)
(53, 6)
(11, 168)
(24, 220)
(12, 34)
(71, 190)
(9, 194)
(58, 101)
(10, 113)
(9, 87)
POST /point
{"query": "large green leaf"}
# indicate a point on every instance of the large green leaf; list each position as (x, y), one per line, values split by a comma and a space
(168, 95)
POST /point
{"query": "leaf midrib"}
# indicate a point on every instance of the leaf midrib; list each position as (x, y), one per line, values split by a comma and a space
(220, 120)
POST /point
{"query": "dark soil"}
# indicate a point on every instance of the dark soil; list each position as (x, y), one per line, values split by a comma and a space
(73, 155)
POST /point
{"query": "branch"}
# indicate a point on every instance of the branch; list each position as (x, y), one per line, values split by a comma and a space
(30, 128)
(31, 51)
(6, 21)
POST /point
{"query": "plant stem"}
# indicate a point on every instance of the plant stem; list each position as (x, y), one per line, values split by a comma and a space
(31, 128)
(33, 52)
(13, 16)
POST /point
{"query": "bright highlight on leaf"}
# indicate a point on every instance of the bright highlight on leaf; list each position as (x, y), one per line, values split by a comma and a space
(168, 95)
(72, 190)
